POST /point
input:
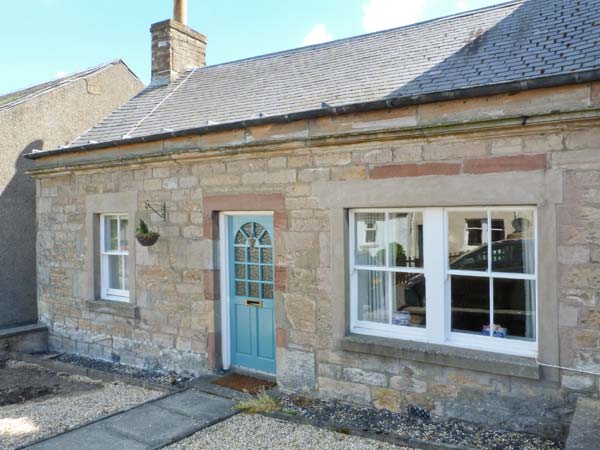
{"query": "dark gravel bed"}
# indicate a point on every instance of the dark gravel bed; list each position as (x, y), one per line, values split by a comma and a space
(164, 378)
(370, 420)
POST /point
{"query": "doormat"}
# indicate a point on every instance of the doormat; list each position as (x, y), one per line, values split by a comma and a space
(244, 383)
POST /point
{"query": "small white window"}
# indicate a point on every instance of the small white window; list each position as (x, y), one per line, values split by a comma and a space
(444, 276)
(370, 232)
(114, 256)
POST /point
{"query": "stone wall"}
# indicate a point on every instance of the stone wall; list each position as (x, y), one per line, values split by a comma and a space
(176, 322)
(45, 122)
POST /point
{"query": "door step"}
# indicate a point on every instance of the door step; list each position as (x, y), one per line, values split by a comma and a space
(583, 433)
(244, 383)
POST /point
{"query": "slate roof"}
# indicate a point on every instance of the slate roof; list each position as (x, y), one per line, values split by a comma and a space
(512, 42)
(15, 98)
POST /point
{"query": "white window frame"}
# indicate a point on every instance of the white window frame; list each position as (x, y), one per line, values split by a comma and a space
(106, 293)
(437, 284)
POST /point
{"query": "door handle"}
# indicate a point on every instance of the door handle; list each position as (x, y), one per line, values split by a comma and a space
(255, 303)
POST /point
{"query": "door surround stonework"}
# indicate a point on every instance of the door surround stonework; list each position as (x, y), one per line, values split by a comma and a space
(213, 206)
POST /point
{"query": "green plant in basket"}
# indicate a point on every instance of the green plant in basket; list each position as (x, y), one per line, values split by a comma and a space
(144, 236)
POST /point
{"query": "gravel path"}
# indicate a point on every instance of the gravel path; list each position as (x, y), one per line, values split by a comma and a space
(446, 431)
(254, 432)
(34, 419)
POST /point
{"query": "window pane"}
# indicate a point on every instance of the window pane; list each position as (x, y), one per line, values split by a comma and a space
(115, 272)
(467, 240)
(267, 273)
(123, 235)
(253, 290)
(513, 248)
(406, 239)
(369, 239)
(470, 297)
(514, 308)
(408, 299)
(111, 233)
(240, 271)
(371, 299)
(267, 290)
(124, 273)
(240, 288)
(253, 272)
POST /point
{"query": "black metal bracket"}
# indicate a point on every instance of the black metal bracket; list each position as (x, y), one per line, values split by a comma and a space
(160, 210)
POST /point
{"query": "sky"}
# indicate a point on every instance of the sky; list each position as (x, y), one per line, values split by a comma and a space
(46, 39)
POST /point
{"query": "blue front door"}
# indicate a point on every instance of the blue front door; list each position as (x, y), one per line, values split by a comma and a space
(251, 286)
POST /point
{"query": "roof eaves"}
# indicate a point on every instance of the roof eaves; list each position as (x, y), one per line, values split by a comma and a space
(389, 103)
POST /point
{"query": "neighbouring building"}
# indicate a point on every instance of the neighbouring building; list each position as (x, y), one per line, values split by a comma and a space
(408, 217)
(43, 117)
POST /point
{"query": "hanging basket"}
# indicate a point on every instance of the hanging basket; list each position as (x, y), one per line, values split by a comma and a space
(147, 239)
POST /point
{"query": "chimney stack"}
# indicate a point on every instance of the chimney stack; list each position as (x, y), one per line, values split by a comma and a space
(176, 48)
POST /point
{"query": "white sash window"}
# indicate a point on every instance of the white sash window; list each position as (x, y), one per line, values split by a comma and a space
(442, 275)
(114, 256)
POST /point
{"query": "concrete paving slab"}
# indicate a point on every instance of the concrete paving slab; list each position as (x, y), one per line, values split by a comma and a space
(198, 405)
(91, 437)
(153, 425)
(583, 434)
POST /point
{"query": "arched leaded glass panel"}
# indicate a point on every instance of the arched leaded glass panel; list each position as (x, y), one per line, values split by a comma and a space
(253, 255)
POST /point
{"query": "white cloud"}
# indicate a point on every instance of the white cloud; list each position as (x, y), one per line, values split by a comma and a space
(463, 5)
(384, 14)
(60, 74)
(317, 35)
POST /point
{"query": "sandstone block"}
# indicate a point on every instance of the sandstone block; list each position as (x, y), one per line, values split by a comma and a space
(414, 170)
(313, 174)
(505, 164)
(386, 399)
(349, 173)
(407, 152)
(296, 369)
(364, 377)
(583, 139)
(300, 311)
(454, 150)
(383, 155)
(506, 146)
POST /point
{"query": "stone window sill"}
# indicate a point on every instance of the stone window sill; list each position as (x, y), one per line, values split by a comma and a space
(444, 355)
(114, 308)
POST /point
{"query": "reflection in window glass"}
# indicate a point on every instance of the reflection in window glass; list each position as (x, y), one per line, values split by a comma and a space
(115, 272)
(408, 299)
(123, 234)
(369, 239)
(470, 297)
(514, 308)
(372, 304)
(467, 239)
(514, 252)
(406, 239)
(111, 233)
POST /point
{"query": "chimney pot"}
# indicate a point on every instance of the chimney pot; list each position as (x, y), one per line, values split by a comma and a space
(180, 11)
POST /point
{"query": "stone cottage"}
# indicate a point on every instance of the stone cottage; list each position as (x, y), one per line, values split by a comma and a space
(44, 116)
(408, 217)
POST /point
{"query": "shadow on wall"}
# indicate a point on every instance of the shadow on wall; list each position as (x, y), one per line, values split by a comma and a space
(18, 305)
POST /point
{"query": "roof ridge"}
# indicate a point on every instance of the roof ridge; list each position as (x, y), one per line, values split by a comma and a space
(57, 83)
(363, 35)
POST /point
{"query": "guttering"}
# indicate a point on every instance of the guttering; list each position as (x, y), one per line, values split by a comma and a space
(389, 103)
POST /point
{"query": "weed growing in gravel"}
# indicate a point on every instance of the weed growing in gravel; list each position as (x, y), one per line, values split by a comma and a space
(259, 403)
